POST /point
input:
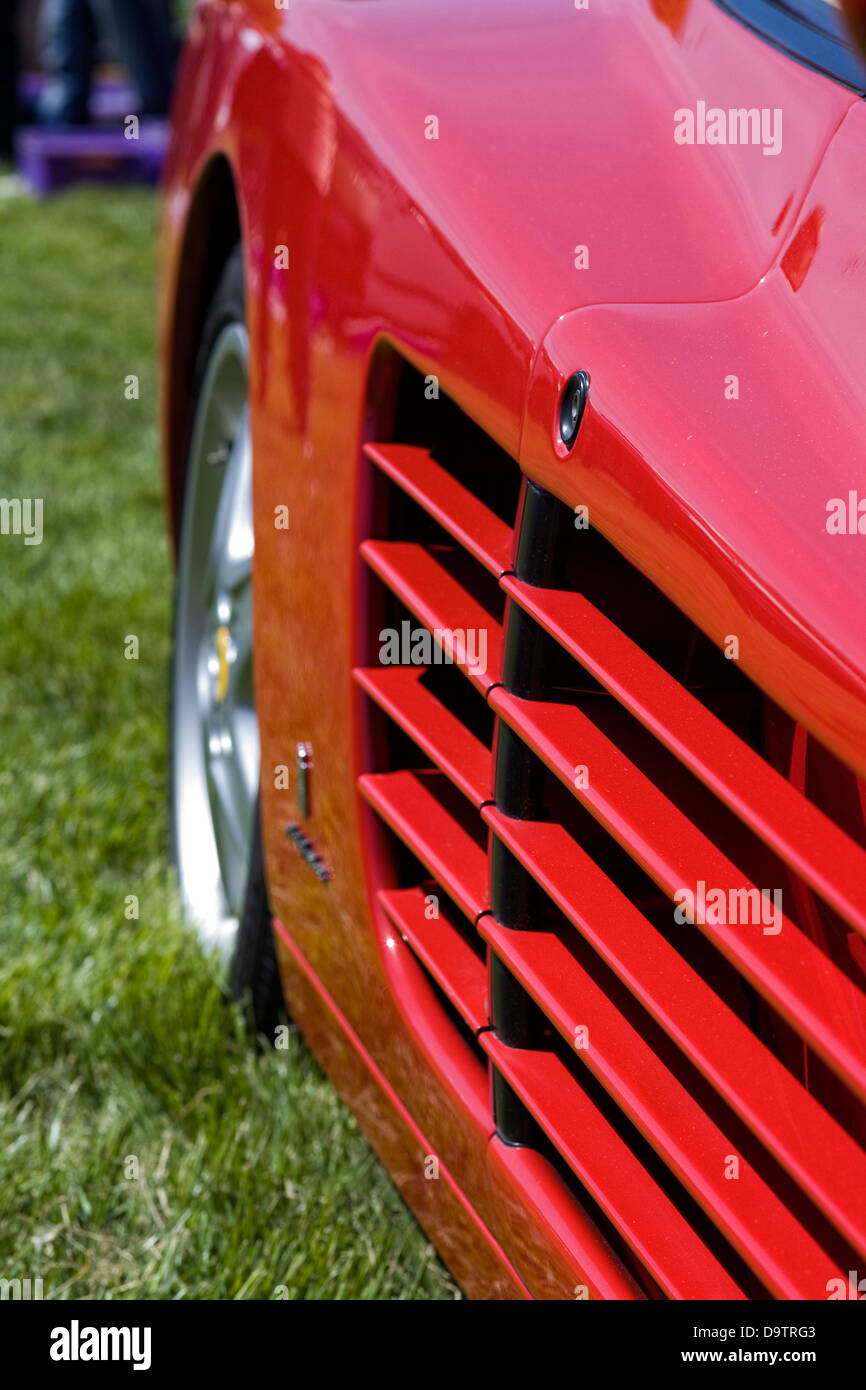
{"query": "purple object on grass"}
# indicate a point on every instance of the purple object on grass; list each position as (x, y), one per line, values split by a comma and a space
(52, 157)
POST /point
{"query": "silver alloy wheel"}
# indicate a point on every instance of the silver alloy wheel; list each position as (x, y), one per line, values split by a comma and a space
(215, 765)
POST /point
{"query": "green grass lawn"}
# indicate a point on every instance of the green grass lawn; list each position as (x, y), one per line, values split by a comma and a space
(118, 1051)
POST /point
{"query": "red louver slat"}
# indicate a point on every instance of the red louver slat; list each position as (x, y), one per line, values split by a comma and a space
(649, 1222)
(438, 600)
(458, 510)
(777, 1109)
(442, 950)
(746, 1211)
(407, 801)
(442, 736)
(560, 1217)
(828, 859)
(815, 997)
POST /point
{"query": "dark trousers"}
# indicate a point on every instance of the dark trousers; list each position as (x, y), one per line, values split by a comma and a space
(146, 45)
(8, 75)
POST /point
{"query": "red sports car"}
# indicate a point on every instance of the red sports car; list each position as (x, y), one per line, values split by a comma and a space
(514, 408)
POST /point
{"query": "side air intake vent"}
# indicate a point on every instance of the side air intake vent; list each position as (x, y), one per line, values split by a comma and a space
(597, 842)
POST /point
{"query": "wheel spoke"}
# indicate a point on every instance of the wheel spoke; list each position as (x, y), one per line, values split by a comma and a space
(245, 738)
(231, 551)
(229, 829)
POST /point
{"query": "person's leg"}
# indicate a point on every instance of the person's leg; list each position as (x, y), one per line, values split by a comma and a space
(8, 75)
(147, 50)
(70, 51)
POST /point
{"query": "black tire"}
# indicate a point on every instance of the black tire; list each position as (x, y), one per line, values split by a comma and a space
(254, 975)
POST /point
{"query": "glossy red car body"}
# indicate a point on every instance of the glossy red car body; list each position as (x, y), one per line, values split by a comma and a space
(307, 128)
